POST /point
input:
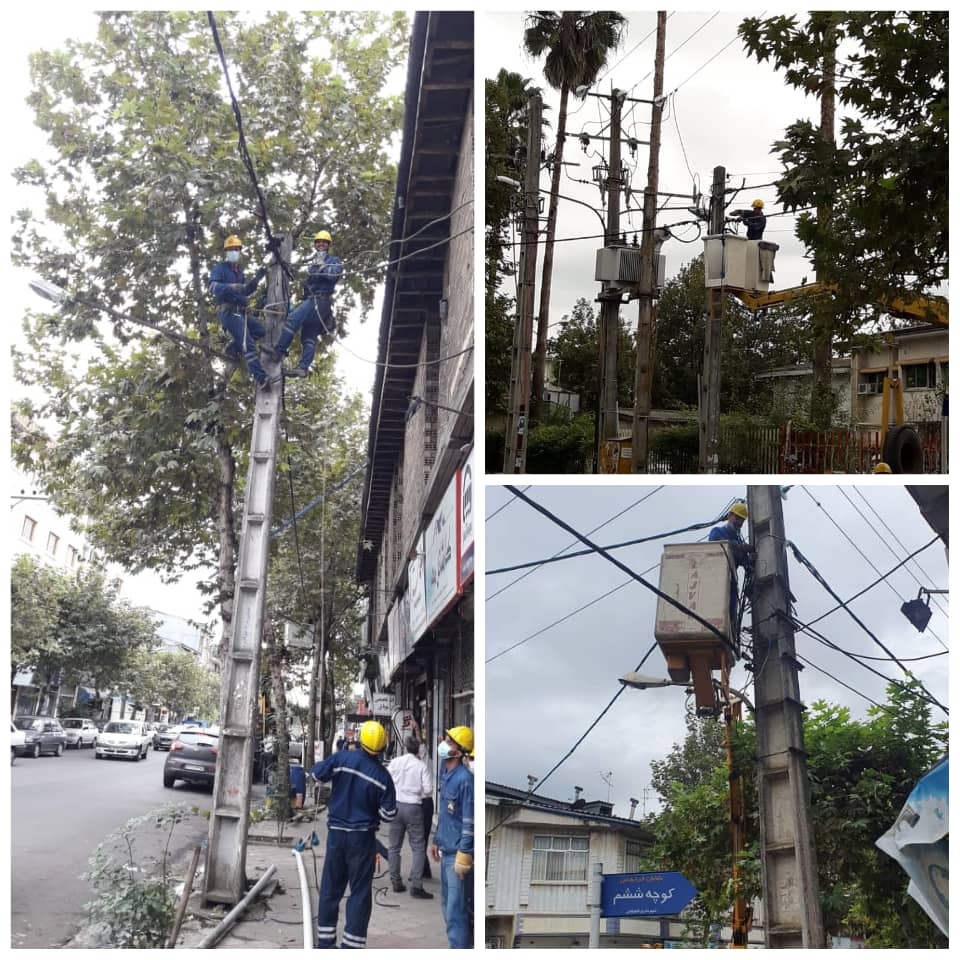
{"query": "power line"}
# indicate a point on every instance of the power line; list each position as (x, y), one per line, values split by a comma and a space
(859, 693)
(817, 575)
(849, 540)
(613, 546)
(605, 523)
(503, 506)
(805, 628)
(404, 366)
(622, 566)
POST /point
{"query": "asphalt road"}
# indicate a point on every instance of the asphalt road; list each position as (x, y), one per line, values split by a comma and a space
(61, 809)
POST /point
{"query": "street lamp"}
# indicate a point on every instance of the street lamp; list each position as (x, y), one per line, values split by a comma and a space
(49, 291)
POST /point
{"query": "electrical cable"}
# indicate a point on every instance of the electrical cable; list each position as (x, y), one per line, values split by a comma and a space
(804, 628)
(569, 753)
(622, 566)
(900, 543)
(572, 543)
(404, 366)
(613, 546)
(859, 693)
(503, 506)
(819, 578)
(293, 506)
(676, 123)
(849, 540)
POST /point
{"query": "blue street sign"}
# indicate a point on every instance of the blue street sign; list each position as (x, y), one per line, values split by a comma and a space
(644, 894)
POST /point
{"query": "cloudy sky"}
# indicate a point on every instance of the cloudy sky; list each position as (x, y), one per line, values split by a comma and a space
(727, 111)
(544, 694)
(24, 141)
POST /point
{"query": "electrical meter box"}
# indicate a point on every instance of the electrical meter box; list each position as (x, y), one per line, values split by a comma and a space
(736, 262)
(698, 575)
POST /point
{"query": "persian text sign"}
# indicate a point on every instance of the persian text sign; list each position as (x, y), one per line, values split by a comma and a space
(441, 542)
(466, 522)
(416, 580)
(645, 894)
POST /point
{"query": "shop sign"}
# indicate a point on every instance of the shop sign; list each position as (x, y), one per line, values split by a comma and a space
(466, 498)
(442, 544)
(416, 588)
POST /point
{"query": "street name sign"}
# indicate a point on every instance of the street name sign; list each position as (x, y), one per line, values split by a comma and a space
(644, 894)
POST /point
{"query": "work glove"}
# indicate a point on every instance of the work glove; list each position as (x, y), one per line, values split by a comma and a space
(463, 864)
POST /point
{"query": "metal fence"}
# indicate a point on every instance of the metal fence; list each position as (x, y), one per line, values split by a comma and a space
(847, 451)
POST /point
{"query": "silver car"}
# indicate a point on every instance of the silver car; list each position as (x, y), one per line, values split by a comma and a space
(123, 738)
(80, 732)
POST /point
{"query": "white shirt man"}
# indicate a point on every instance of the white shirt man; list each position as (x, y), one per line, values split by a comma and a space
(412, 781)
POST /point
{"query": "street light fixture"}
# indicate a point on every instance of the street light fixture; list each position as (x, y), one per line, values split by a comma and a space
(49, 291)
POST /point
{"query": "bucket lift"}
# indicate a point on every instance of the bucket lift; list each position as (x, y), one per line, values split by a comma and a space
(697, 575)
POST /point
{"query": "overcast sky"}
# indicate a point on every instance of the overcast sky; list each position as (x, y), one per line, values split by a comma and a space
(24, 141)
(543, 695)
(727, 112)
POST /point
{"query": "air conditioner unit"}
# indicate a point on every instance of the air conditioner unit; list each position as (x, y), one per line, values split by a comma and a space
(867, 388)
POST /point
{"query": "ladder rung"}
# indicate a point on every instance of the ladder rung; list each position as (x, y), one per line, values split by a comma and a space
(228, 813)
(243, 655)
(249, 583)
(255, 518)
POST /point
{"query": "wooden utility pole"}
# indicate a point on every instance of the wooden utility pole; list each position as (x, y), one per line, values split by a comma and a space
(710, 381)
(791, 916)
(646, 330)
(518, 419)
(224, 877)
(610, 299)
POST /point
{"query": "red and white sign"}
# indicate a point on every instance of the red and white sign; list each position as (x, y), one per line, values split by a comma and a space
(465, 497)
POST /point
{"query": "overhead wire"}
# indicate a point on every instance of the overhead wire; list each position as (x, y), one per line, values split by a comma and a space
(503, 506)
(849, 540)
(605, 523)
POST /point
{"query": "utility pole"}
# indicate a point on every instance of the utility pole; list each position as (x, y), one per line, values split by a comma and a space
(224, 879)
(710, 381)
(518, 419)
(610, 299)
(646, 330)
(792, 915)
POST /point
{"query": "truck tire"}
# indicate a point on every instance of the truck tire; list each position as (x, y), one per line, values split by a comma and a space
(902, 451)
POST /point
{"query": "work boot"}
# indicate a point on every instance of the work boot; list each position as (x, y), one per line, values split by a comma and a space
(418, 893)
(398, 886)
(295, 371)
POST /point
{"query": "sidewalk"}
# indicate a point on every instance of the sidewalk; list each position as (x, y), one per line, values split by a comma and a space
(274, 919)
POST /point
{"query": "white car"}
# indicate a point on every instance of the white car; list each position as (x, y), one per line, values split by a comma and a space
(79, 731)
(123, 738)
(18, 741)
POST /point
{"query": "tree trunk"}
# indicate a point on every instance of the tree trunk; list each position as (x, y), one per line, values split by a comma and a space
(228, 540)
(281, 727)
(821, 392)
(543, 318)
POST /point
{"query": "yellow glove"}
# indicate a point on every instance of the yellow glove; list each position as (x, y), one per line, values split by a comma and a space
(463, 864)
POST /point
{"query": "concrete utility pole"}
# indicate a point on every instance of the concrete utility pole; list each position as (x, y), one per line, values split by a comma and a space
(518, 419)
(610, 300)
(710, 381)
(224, 879)
(791, 899)
(646, 329)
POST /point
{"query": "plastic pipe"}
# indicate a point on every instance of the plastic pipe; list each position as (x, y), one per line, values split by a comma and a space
(231, 918)
(305, 902)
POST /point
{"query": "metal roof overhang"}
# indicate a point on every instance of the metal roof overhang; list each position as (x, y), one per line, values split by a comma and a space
(439, 88)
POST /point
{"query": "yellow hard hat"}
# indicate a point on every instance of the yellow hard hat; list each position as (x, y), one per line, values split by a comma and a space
(462, 737)
(323, 235)
(373, 738)
(757, 204)
(739, 509)
(882, 468)
(232, 242)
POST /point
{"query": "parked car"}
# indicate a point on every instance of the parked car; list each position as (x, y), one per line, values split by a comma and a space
(80, 732)
(123, 738)
(192, 757)
(17, 740)
(164, 736)
(41, 735)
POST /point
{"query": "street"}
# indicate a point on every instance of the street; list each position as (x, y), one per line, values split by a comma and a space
(61, 808)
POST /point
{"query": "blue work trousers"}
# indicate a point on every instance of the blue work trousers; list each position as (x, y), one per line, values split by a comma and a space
(313, 319)
(350, 858)
(457, 898)
(245, 331)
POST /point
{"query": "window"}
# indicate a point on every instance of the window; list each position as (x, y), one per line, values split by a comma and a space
(29, 528)
(631, 857)
(73, 556)
(919, 376)
(560, 859)
(872, 382)
(53, 541)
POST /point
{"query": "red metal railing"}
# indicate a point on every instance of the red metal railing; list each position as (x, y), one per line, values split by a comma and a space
(846, 451)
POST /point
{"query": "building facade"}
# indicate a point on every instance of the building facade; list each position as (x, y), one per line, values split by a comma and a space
(416, 544)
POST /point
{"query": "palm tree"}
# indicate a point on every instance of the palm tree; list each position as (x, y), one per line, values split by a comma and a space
(576, 45)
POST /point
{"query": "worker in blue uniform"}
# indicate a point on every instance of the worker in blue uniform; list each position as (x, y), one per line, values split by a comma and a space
(231, 291)
(743, 552)
(314, 316)
(452, 844)
(362, 794)
(755, 220)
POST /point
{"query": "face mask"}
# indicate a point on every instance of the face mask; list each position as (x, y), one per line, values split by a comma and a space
(443, 750)
(233, 256)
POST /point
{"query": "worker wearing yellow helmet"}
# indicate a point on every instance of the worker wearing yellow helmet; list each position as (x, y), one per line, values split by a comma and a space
(361, 795)
(755, 220)
(231, 291)
(452, 844)
(729, 531)
(882, 468)
(313, 318)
